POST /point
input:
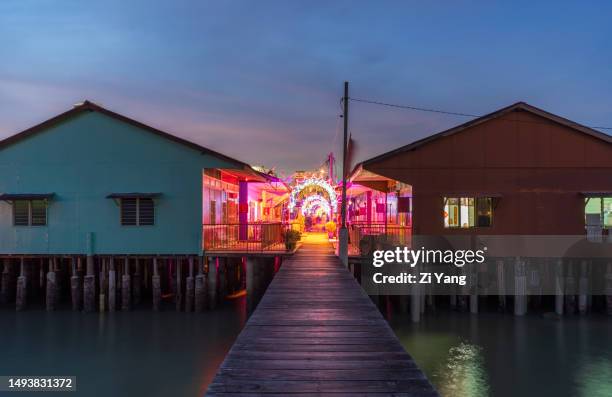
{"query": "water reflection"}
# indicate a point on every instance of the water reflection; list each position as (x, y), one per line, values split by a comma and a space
(492, 354)
(122, 354)
(463, 374)
(594, 378)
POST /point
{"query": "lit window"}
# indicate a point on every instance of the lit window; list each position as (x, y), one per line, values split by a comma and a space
(30, 212)
(598, 211)
(467, 212)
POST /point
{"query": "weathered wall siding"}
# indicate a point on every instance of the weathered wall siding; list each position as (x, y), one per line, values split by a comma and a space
(85, 158)
(538, 166)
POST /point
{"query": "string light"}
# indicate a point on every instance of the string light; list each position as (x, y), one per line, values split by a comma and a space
(313, 182)
(314, 201)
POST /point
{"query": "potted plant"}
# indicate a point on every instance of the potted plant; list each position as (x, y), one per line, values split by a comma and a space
(330, 227)
(291, 239)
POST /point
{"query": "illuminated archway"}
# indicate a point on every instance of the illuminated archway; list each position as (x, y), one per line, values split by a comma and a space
(316, 183)
(313, 202)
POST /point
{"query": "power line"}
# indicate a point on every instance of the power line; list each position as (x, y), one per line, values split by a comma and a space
(420, 109)
(412, 107)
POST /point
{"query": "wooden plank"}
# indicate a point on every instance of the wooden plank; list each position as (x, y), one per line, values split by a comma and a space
(374, 347)
(321, 374)
(316, 332)
(420, 386)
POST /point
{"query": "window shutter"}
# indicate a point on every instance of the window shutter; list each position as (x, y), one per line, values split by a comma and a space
(128, 211)
(39, 212)
(21, 212)
(146, 212)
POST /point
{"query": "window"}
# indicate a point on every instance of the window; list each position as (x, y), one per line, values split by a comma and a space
(30, 212)
(467, 212)
(137, 211)
(213, 212)
(598, 211)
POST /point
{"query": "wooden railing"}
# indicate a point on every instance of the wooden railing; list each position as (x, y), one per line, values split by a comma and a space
(250, 237)
(362, 236)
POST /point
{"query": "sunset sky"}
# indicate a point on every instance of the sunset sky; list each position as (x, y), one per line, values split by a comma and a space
(261, 80)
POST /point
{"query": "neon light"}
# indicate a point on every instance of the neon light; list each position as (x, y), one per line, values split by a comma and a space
(318, 182)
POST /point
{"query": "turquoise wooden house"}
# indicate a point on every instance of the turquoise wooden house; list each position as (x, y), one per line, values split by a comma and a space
(93, 182)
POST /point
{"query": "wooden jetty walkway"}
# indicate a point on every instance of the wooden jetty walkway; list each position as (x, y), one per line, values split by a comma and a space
(315, 332)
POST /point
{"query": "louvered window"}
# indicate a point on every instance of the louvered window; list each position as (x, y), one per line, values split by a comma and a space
(29, 212)
(146, 212)
(137, 211)
(38, 212)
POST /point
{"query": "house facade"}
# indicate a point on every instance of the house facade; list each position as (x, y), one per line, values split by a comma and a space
(522, 171)
(519, 171)
(93, 182)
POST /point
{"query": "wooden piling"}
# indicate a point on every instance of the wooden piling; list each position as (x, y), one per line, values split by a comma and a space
(535, 281)
(75, 286)
(583, 286)
(462, 296)
(243, 269)
(126, 293)
(415, 298)
(119, 284)
(156, 285)
(51, 301)
(89, 286)
(42, 275)
(212, 282)
(6, 290)
(251, 265)
(137, 283)
(570, 289)
(178, 290)
(473, 287)
(222, 278)
(21, 298)
(102, 285)
(146, 280)
(112, 285)
(501, 285)
(190, 288)
(200, 287)
(520, 288)
(609, 288)
(559, 287)
(415, 304)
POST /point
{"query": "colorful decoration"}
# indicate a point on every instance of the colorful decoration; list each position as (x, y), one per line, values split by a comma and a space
(314, 201)
(316, 182)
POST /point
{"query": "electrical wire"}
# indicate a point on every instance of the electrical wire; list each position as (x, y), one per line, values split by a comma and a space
(421, 109)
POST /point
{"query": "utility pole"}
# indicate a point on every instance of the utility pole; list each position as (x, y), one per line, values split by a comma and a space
(331, 160)
(343, 241)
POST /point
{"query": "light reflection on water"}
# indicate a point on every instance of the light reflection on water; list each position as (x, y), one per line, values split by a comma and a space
(463, 373)
(170, 353)
(594, 378)
(492, 354)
